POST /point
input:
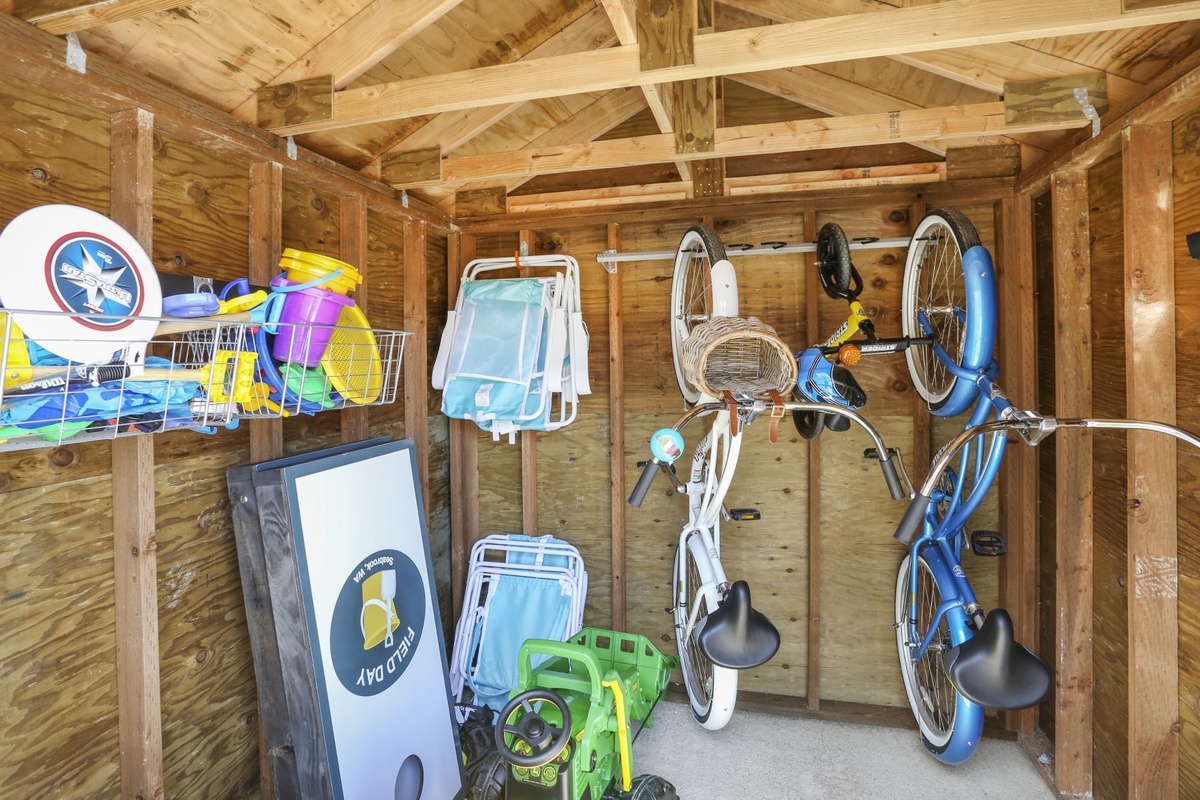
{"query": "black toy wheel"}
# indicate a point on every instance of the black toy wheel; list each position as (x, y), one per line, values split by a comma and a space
(833, 263)
(519, 721)
(644, 787)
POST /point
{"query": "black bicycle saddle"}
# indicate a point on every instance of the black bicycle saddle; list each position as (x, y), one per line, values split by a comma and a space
(737, 636)
(994, 670)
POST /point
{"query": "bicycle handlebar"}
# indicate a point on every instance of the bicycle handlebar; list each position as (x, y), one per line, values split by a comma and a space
(1033, 428)
(894, 473)
(643, 485)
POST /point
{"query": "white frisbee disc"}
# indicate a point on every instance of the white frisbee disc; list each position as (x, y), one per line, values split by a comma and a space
(62, 258)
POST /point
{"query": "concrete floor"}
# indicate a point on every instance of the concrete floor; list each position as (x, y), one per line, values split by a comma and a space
(763, 756)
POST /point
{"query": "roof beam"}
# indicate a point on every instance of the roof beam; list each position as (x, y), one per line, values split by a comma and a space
(956, 23)
(453, 129)
(622, 14)
(71, 16)
(901, 174)
(597, 119)
(839, 97)
(953, 122)
(986, 67)
(360, 43)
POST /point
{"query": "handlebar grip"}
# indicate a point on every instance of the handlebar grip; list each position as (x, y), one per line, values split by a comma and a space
(912, 520)
(643, 484)
(888, 465)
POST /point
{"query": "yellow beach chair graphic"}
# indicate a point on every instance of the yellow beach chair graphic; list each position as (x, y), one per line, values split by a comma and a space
(379, 618)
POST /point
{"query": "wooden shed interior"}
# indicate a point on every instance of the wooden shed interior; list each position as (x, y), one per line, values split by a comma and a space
(410, 136)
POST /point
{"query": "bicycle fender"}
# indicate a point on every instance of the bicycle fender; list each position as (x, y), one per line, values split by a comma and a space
(724, 289)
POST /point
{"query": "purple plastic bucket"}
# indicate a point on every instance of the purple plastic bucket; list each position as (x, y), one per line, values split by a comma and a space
(306, 323)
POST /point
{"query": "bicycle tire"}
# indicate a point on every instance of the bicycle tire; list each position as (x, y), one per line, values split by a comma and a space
(701, 288)
(950, 724)
(833, 260)
(809, 424)
(711, 690)
(965, 302)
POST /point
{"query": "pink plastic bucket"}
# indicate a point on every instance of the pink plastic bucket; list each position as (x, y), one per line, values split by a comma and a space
(306, 323)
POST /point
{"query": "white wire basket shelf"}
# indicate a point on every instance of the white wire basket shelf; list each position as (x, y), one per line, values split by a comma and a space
(119, 376)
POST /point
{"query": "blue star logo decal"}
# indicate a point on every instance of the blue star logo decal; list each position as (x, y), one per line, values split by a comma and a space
(88, 274)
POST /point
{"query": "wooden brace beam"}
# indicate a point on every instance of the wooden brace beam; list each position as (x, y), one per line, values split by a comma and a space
(901, 126)
(955, 23)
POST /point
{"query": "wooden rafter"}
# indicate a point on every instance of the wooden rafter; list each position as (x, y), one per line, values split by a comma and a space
(956, 23)
(70, 16)
(985, 67)
(360, 43)
(899, 175)
(954, 122)
(599, 118)
(453, 129)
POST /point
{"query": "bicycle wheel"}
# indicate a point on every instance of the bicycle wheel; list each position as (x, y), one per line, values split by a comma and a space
(703, 286)
(711, 689)
(959, 304)
(950, 724)
(833, 260)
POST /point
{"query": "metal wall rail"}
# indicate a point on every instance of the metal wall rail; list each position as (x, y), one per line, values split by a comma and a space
(610, 258)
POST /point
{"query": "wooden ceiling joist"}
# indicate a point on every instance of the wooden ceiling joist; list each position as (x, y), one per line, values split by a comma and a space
(599, 118)
(453, 129)
(71, 16)
(956, 23)
(898, 175)
(955, 122)
(987, 67)
(358, 44)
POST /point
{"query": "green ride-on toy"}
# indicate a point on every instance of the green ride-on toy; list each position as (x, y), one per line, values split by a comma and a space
(565, 730)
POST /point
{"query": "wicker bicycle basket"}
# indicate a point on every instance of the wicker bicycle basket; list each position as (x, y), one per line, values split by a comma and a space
(732, 354)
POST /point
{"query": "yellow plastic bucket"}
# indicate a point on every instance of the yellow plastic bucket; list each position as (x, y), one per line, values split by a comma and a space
(303, 267)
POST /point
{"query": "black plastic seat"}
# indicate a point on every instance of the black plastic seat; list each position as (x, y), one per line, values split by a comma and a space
(994, 670)
(737, 636)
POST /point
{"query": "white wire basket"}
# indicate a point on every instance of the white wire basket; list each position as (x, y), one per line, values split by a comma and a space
(195, 374)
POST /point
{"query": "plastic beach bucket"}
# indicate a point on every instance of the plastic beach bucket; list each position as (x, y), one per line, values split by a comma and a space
(306, 323)
(303, 267)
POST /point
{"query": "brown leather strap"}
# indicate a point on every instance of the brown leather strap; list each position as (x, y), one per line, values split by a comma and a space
(776, 415)
(732, 405)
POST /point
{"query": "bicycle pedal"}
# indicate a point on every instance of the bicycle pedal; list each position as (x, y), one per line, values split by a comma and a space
(744, 514)
(988, 543)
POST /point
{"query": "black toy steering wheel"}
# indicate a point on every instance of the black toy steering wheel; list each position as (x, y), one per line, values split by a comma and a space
(545, 740)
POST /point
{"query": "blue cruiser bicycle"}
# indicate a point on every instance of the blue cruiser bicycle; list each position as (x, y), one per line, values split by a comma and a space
(955, 658)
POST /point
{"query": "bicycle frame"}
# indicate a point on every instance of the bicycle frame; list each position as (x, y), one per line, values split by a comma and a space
(994, 414)
(706, 494)
(706, 498)
(946, 534)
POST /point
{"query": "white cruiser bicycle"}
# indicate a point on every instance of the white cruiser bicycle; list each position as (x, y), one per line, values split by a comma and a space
(717, 631)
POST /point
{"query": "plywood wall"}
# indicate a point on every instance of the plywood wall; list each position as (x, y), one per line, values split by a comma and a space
(57, 668)
(858, 555)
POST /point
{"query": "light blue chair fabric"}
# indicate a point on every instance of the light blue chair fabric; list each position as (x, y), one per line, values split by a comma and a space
(520, 609)
(502, 326)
